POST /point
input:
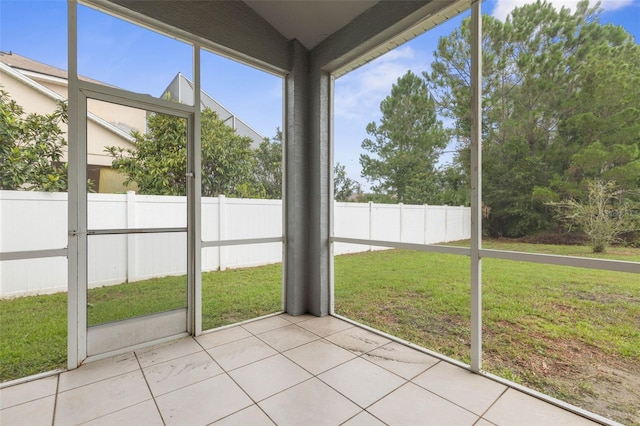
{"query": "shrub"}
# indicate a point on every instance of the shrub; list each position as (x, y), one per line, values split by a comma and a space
(603, 215)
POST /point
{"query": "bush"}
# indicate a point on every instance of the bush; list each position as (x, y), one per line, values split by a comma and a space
(603, 215)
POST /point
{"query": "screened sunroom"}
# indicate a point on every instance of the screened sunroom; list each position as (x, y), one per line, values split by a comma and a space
(309, 361)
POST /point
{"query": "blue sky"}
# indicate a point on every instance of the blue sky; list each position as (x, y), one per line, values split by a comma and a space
(123, 55)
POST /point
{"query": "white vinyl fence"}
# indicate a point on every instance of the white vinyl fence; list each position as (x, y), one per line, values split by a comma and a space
(38, 221)
(399, 223)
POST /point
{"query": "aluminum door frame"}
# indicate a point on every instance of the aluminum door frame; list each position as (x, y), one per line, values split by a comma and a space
(86, 344)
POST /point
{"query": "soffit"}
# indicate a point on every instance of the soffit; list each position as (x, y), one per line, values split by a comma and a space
(309, 21)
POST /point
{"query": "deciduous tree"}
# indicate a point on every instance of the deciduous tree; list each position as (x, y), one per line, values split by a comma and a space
(344, 188)
(31, 148)
(269, 167)
(603, 214)
(158, 161)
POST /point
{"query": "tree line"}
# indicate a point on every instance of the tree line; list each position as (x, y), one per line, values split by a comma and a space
(561, 110)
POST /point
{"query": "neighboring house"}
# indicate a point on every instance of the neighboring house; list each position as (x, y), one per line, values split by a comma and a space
(37, 87)
(181, 90)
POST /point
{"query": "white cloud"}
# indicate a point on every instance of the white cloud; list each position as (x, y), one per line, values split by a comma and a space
(504, 7)
(359, 93)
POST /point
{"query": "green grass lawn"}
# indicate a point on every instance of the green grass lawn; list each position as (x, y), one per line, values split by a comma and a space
(569, 332)
(33, 337)
(227, 297)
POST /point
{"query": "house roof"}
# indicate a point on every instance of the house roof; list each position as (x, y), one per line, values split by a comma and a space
(19, 74)
(26, 64)
(22, 63)
(181, 89)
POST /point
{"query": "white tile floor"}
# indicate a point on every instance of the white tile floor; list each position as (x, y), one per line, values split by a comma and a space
(281, 370)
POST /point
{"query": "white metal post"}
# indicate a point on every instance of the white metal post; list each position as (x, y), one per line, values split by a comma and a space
(283, 201)
(77, 202)
(332, 196)
(72, 138)
(476, 186)
(195, 203)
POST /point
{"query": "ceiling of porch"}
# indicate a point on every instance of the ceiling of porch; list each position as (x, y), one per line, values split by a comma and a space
(311, 21)
(340, 35)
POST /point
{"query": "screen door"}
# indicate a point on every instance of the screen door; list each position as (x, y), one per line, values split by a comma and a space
(138, 274)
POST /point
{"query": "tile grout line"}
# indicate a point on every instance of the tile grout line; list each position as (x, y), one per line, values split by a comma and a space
(404, 384)
(416, 384)
(55, 395)
(279, 352)
(393, 372)
(144, 376)
(374, 402)
(165, 344)
(361, 356)
(324, 338)
(493, 403)
(139, 369)
(209, 355)
(364, 410)
(446, 399)
(313, 376)
(329, 369)
(223, 371)
(288, 349)
(254, 403)
(55, 401)
(357, 355)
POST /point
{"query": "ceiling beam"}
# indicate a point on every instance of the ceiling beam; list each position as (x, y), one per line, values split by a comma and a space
(380, 29)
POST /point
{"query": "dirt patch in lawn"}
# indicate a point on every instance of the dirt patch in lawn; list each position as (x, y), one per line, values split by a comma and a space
(572, 371)
(604, 298)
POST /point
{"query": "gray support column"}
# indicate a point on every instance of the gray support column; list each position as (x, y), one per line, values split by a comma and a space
(307, 189)
(296, 194)
(319, 191)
